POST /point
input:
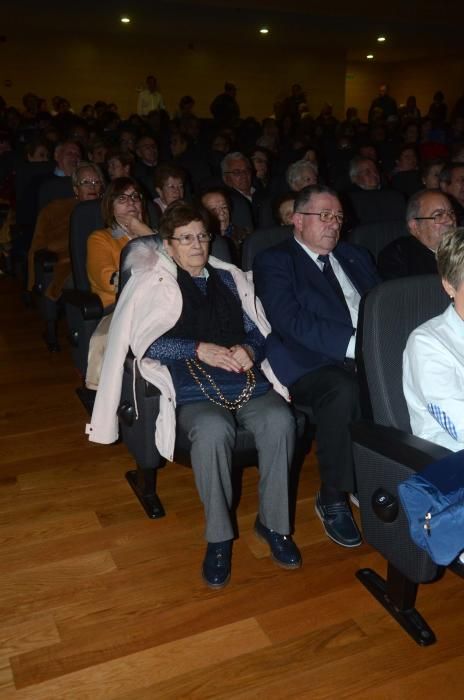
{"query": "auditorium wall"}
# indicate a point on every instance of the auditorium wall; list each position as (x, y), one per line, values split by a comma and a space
(420, 77)
(85, 69)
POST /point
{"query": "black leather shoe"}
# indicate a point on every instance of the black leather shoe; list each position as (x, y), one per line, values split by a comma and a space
(283, 549)
(338, 522)
(216, 564)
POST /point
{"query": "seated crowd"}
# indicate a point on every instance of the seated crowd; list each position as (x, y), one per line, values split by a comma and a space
(222, 356)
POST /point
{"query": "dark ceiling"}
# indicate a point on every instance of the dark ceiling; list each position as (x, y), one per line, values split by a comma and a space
(412, 28)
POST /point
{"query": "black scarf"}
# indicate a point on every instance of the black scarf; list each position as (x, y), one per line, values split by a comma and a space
(214, 317)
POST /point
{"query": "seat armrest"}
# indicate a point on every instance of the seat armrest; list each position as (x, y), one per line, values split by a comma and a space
(90, 304)
(45, 259)
(397, 445)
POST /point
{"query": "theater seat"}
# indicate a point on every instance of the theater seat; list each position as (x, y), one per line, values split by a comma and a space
(375, 236)
(385, 452)
(370, 206)
(262, 239)
(83, 308)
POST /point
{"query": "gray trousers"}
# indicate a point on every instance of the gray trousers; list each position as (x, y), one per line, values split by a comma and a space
(211, 430)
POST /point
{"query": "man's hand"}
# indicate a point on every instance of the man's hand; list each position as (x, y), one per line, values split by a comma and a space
(218, 356)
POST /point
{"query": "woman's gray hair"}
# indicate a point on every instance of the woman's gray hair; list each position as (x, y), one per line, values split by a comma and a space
(295, 172)
(450, 257)
(85, 165)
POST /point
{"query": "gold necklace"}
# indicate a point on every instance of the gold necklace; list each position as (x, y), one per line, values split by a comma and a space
(232, 405)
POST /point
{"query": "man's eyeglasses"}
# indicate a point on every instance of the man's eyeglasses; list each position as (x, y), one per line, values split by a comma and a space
(439, 217)
(189, 238)
(326, 216)
(237, 173)
(133, 196)
(88, 183)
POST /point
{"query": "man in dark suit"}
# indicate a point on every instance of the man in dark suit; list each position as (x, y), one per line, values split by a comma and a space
(311, 287)
(429, 215)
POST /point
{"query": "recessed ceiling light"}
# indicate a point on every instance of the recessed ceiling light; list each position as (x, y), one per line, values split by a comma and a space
(370, 55)
(125, 20)
(381, 38)
(264, 30)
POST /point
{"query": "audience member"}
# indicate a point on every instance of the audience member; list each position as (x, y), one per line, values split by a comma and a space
(52, 228)
(146, 162)
(301, 174)
(430, 173)
(364, 174)
(310, 287)
(452, 184)
(383, 105)
(433, 364)
(124, 218)
(429, 215)
(149, 98)
(207, 323)
(120, 164)
(169, 185)
(283, 209)
(224, 107)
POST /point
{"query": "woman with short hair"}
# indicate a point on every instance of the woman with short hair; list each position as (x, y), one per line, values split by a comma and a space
(198, 333)
(433, 361)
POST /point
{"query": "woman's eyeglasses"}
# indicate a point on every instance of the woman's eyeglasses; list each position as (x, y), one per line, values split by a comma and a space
(189, 238)
(133, 196)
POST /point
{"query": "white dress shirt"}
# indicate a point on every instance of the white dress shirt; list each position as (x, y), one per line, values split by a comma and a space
(433, 380)
(352, 296)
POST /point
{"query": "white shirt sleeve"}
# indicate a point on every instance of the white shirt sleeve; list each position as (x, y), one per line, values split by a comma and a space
(433, 384)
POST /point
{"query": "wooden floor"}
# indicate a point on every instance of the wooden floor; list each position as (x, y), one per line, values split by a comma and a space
(98, 602)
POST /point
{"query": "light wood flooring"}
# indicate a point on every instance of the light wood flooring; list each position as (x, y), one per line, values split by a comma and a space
(99, 602)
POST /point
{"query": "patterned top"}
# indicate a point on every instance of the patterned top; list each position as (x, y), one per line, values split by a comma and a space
(166, 350)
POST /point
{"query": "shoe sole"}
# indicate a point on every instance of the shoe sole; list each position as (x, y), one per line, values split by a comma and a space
(279, 563)
(342, 544)
(215, 586)
(354, 500)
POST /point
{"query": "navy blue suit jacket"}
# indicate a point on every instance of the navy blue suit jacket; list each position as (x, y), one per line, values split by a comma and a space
(311, 328)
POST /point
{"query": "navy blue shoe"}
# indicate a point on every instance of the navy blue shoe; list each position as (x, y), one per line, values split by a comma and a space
(216, 564)
(283, 549)
(338, 522)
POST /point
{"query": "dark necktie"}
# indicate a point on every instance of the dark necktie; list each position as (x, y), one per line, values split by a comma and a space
(331, 278)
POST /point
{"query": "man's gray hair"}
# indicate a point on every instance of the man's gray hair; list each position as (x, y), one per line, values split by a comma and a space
(414, 205)
(296, 171)
(85, 165)
(236, 155)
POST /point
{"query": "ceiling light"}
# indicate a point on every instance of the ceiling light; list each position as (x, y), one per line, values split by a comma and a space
(125, 20)
(370, 55)
(264, 30)
(381, 38)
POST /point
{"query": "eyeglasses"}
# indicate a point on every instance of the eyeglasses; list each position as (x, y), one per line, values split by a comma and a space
(189, 238)
(439, 217)
(237, 173)
(133, 196)
(326, 216)
(88, 183)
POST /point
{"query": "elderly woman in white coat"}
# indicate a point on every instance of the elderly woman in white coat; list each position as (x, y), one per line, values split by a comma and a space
(198, 333)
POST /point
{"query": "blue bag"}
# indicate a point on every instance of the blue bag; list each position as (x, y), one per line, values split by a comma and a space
(230, 384)
(434, 504)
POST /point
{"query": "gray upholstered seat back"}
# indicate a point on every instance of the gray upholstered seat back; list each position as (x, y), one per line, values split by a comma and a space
(391, 312)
